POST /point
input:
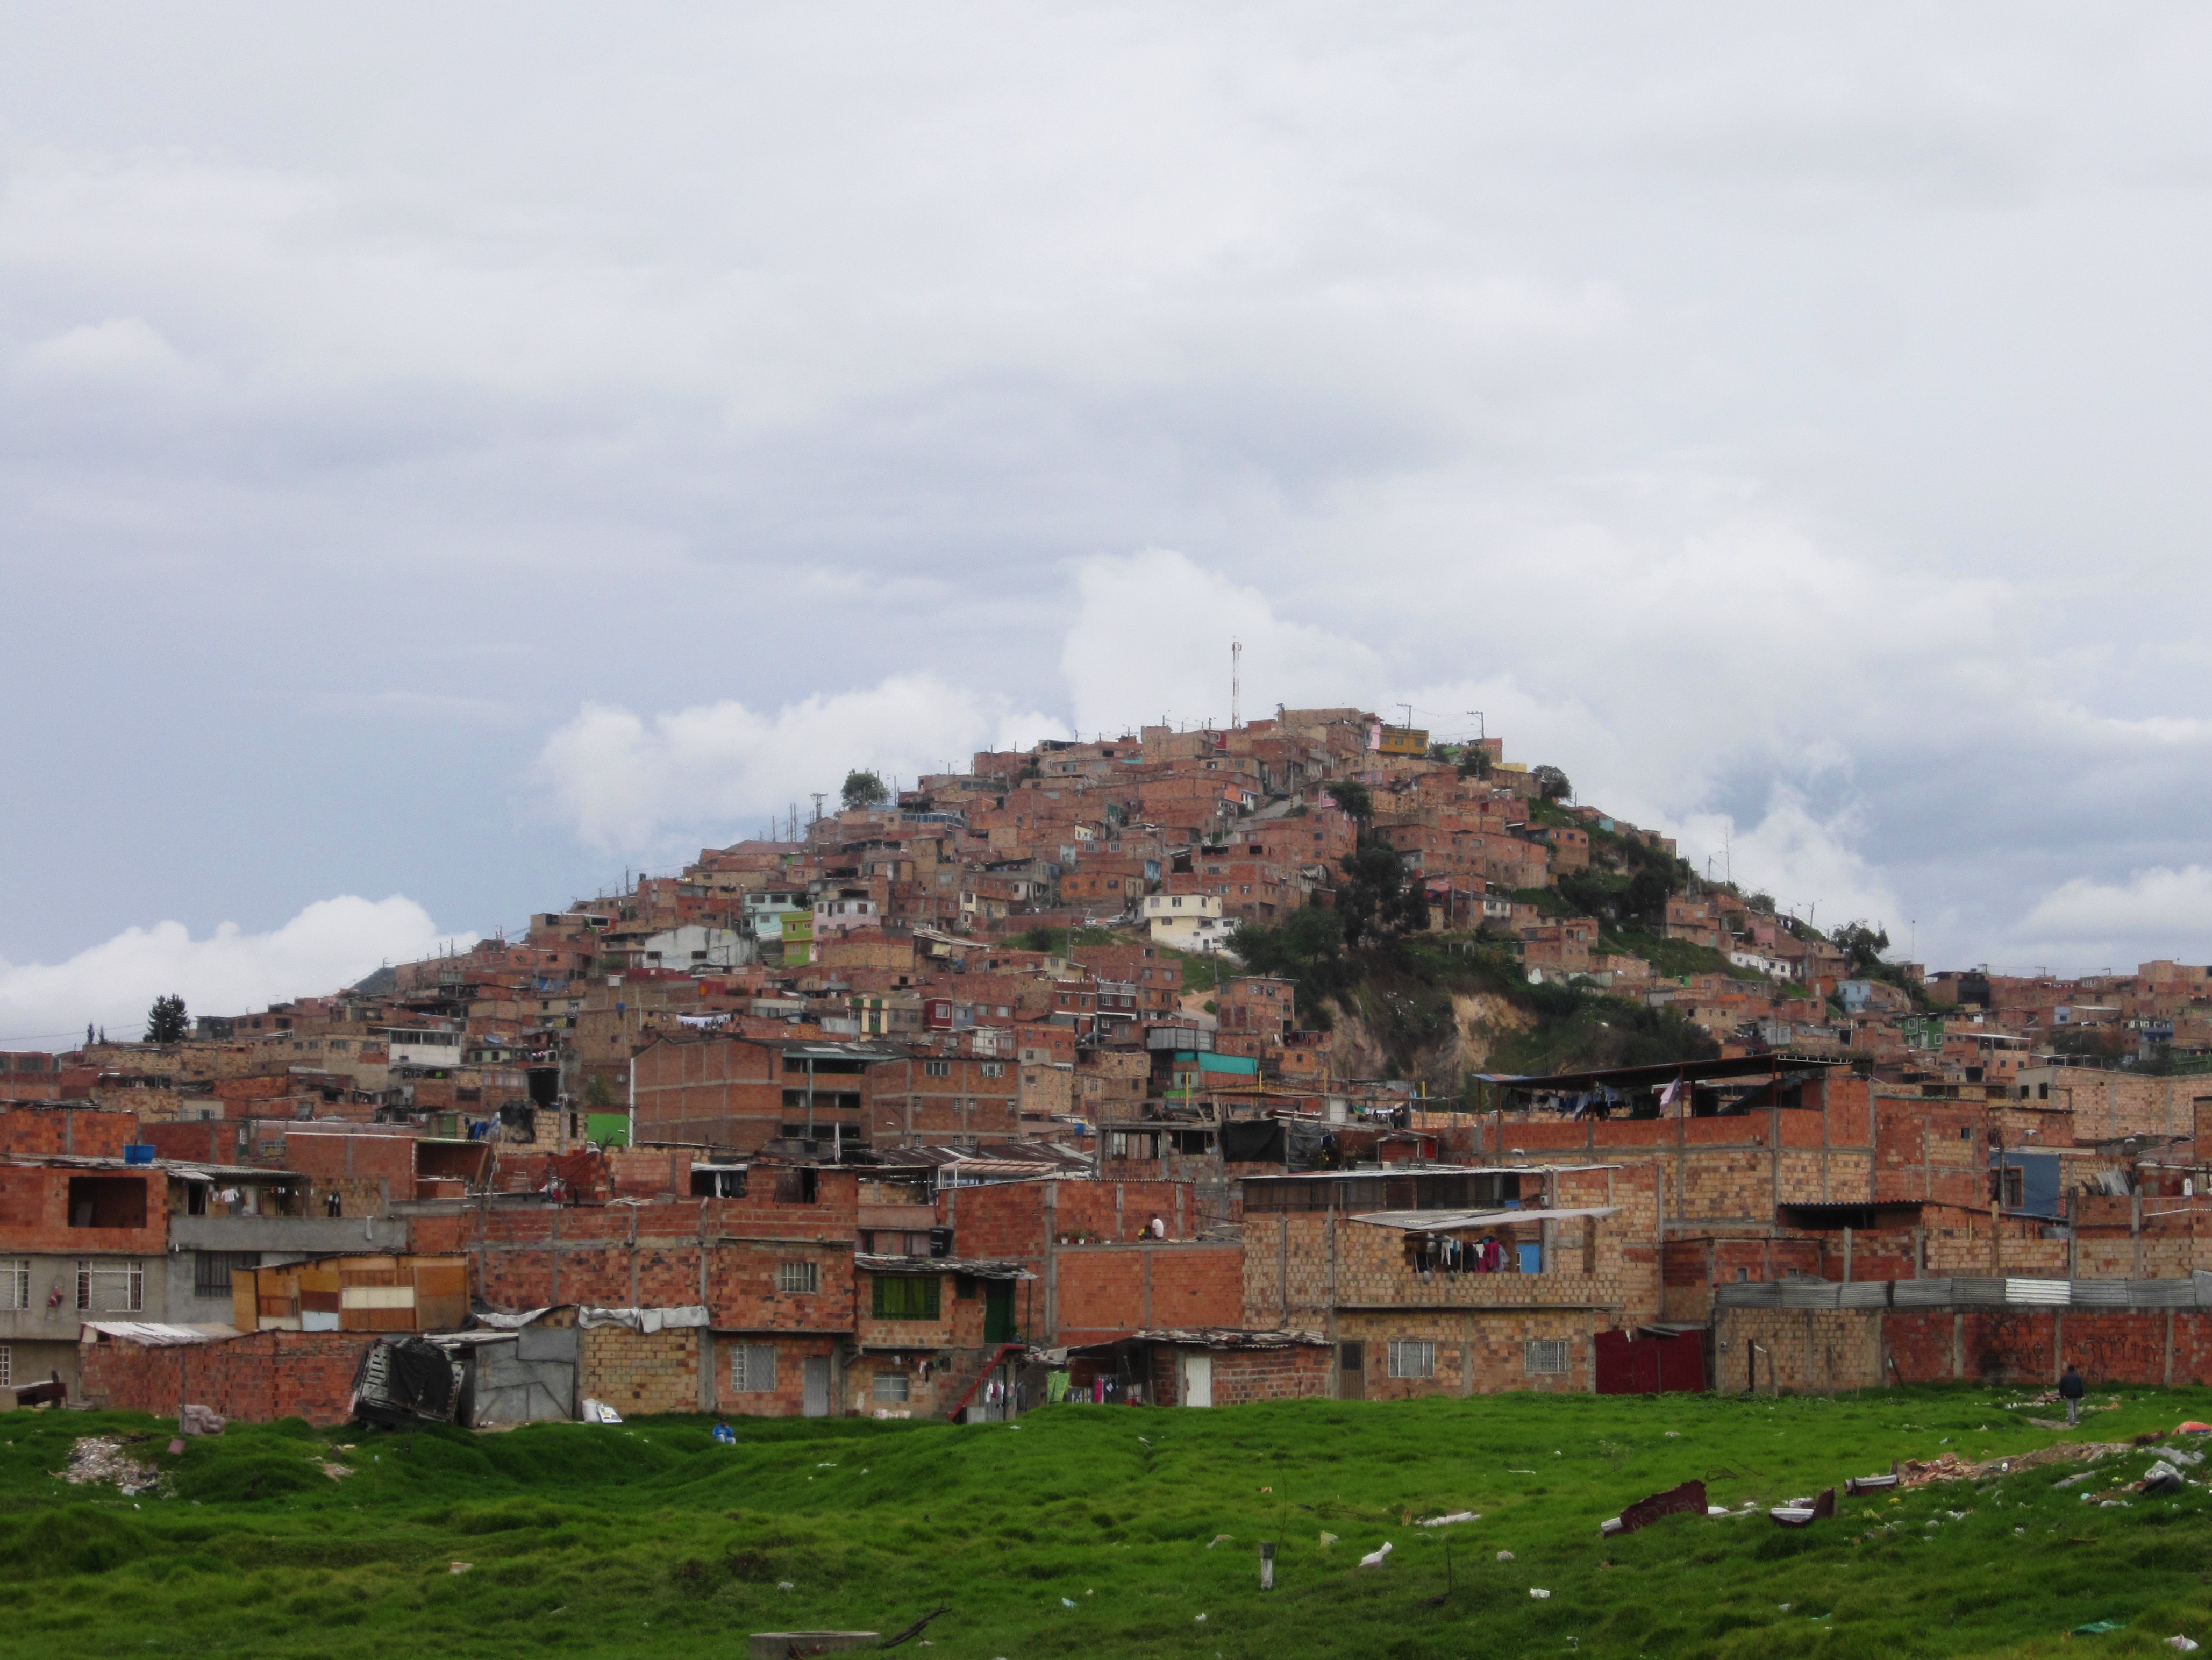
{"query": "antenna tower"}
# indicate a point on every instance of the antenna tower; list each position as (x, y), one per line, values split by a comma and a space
(1236, 683)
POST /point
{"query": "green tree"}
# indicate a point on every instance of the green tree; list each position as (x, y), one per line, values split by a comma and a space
(1552, 784)
(1474, 762)
(1354, 800)
(1378, 899)
(166, 1022)
(1862, 945)
(864, 789)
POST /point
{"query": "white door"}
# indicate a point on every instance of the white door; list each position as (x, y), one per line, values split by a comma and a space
(1197, 1378)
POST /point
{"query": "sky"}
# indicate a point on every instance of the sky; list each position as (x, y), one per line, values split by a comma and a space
(454, 458)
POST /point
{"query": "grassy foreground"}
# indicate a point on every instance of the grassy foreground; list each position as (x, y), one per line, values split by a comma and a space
(1095, 1531)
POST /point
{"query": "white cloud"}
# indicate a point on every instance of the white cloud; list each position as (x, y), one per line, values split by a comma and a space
(121, 349)
(2155, 912)
(330, 943)
(622, 782)
(1151, 638)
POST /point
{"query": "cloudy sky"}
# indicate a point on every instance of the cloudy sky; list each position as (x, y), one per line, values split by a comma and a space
(450, 456)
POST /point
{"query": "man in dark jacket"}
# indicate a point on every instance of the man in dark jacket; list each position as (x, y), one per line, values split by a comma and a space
(2072, 1388)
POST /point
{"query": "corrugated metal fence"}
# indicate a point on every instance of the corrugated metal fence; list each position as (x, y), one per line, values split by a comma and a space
(1970, 1292)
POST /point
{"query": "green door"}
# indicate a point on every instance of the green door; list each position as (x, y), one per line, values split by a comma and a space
(998, 1310)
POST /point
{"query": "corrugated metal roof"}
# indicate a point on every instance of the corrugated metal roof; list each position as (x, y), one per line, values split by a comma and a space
(154, 1334)
(976, 1268)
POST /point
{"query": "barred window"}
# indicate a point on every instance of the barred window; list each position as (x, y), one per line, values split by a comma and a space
(937, 1069)
(752, 1368)
(906, 1297)
(7, 1366)
(211, 1270)
(1412, 1356)
(994, 1069)
(892, 1386)
(111, 1284)
(1547, 1357)
(14, 1282)
(798, 1279)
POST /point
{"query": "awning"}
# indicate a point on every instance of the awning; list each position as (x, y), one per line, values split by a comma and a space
(1445, 1221)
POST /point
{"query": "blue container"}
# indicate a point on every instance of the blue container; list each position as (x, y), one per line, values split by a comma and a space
(138, 1153)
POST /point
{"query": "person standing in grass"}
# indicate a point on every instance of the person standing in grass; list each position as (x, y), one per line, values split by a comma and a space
(2072, 1388)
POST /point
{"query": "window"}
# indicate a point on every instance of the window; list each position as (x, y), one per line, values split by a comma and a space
(7, 1366)
(795, 1186)
(937, 1069)
(110, 1284)
(906, 1297)
(108, 1202)
(994, 1069)
(752, 1368)
(799, 1279)
(1351, 1357)
(14, 1282)
(1547, 1357)
(2014, 1195)
(211, 1270)
(892, 1386)
(1411, 1357)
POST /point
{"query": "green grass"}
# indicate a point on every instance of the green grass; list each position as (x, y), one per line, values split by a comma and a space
(651, 1540)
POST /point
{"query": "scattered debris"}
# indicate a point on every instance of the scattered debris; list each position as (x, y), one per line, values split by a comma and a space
(1686, 1499)
(916, 1629)
(2160, 1477)
(2098, 1628)
(2181, 1645)
(1221, 1539)
(1858, 1483)
(1505, 1556)
(1804, 1512)
(1456, 1518)
(100, 1458)
(1327, 1540)
(1918, 1473)
(1538, 1595)
(2192, 1427)
(1375, 1558)
(460, 1567)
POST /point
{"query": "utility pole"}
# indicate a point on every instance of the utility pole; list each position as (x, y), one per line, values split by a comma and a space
(1481, 735)
(1236, 683)
(820, 796)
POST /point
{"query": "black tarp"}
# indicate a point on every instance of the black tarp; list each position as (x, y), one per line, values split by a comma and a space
(404, 1379)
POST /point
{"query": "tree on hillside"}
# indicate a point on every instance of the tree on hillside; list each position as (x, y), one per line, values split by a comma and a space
(864, 789)
(1354, 800)
(1474, 762)
(165, 1021)
(1862, 946)
(1552, 784)
(1377, 900)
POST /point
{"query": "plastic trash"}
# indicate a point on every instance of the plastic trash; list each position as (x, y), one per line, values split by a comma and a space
(460, 1567)
(1457, 1516)
(2192, 1427)
(2098, 1628)
(1199, 1621)
(2160, 1477)
(1327, 1539)
(1067, 1601)
(1375, 1558)
(2181, 1645)
(1221, 1539)
(1505, 1556)
(1538, 1595)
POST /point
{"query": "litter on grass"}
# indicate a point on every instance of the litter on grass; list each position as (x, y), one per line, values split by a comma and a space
(2098, 1628)
(1221, 1539)
(1686, 1499)
(1505, 1556)
(99, 1458)
(2181, 1645)
(1538, 1595)
(1375, 1558)
(1456, 1516)
(1327, 1539)
(460, 1567)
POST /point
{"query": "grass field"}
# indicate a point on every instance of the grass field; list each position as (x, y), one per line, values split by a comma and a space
(1092, 1530)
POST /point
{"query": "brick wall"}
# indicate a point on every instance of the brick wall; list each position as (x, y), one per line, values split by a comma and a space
(1477, 1352)
(67, 1130)
(640, 1371)
(258, 1378)
(1834, 1349)
(1095, 1292)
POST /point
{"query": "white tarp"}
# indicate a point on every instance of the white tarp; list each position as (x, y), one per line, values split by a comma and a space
(645, 1320)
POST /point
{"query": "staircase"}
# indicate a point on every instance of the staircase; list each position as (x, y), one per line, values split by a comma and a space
(975, 1382)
